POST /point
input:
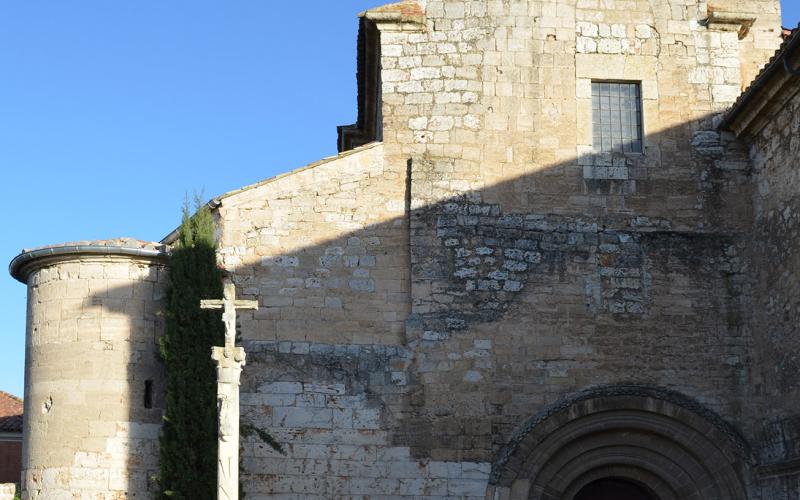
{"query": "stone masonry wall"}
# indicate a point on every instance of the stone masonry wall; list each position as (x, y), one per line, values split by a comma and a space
(776, 258)
(91, 345)
(512, 263)
(503, 91)
(539, 266)
(420, 299)
(333, 407)
(325, 250)
(527, 308)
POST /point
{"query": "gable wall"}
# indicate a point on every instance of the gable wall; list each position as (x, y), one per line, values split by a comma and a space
(324, 249)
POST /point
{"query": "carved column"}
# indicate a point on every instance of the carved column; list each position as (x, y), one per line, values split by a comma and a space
(229, 368)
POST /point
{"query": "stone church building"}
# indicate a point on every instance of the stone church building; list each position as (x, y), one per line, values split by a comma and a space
(557, 257)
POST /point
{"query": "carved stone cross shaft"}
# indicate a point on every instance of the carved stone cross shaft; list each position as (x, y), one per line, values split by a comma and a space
(230, 360)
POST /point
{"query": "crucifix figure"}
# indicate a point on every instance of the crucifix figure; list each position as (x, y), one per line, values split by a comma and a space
(230, 360)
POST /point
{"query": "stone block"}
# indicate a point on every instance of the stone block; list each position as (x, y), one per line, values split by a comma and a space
(281, 388)
(305, 418)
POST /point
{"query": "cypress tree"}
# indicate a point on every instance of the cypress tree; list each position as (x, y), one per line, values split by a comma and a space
(189, 434)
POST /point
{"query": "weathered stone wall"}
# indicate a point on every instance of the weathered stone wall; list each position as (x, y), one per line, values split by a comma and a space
(502, 92)
(776, 261)
(529, 308)
(91, 344)
(513, 264)
(759, 46)
(334, 407)
(324, 249)
(540, 267)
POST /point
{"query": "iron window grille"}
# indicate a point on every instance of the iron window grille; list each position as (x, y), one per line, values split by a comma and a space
(616, 117)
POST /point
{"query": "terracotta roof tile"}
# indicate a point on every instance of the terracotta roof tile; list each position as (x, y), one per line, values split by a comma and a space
(10, 413)
(404, 7)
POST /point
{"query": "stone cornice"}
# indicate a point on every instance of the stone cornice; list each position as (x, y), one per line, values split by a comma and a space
(22, 265)
(730, 21)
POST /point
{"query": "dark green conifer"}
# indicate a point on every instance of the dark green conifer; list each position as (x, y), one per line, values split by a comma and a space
(189, 434)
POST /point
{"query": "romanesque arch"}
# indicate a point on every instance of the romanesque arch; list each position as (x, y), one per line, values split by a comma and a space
(659, 440)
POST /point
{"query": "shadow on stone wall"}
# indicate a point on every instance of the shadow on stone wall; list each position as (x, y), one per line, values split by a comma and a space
(622, 270)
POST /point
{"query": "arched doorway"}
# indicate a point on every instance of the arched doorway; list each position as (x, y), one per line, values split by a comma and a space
(650, 443)
(612, 488)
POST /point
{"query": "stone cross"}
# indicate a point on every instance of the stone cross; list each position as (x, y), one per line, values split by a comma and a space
(230, 360)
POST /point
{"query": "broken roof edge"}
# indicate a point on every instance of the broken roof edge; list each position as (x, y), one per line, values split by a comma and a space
(215, 202)
(775, 67)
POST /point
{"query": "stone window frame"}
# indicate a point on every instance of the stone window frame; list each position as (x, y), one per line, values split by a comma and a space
(614, 68)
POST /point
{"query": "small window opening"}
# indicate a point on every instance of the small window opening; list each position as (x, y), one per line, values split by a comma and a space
(148, 393)
(616, 117)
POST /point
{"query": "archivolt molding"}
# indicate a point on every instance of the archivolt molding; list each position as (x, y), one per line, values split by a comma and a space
(654, 436)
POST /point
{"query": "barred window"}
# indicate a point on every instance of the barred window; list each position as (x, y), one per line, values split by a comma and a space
(616, 117)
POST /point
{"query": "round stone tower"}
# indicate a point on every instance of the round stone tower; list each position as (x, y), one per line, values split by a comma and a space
(93, 381)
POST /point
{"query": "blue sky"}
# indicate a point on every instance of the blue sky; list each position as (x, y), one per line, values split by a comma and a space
(113, 111)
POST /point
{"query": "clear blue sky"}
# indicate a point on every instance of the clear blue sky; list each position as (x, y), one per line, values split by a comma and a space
(110, 112)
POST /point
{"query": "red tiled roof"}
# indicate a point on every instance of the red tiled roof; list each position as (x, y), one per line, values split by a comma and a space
(404, 7)
(10, 413)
